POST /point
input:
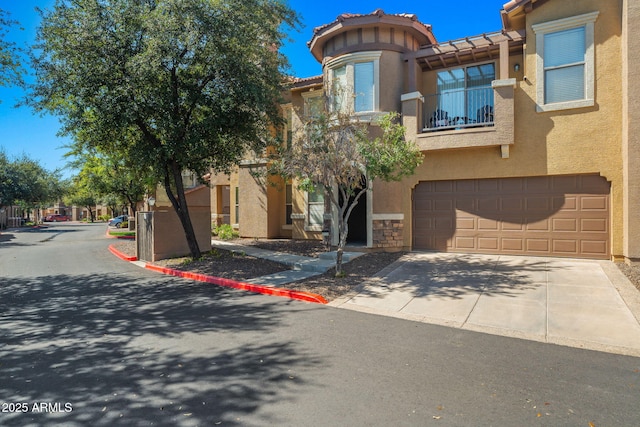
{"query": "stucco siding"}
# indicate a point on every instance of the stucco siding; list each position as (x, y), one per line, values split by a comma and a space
(577, 141)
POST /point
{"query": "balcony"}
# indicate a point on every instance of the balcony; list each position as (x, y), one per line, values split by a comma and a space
(458, 109)
(466, 118)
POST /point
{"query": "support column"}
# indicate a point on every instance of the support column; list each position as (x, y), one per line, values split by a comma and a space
(412, 114)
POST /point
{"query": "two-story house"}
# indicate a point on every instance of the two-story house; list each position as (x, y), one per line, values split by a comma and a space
(529, 134)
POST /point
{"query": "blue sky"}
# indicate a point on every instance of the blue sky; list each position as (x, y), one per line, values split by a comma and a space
(24, 132)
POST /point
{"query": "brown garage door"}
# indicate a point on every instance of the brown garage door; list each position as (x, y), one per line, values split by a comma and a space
(555, 216)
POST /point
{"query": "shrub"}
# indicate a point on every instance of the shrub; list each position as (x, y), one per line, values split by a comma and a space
(225, 232)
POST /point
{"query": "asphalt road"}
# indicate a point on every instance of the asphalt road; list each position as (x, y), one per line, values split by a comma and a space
(89, 340)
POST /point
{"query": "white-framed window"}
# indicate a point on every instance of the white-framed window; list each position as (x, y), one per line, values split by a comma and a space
(315, 208)
(355, 82)
(286, 134)
(288, 204)
(313, 103)
(189, 180)
(237, 205)
(565, 65)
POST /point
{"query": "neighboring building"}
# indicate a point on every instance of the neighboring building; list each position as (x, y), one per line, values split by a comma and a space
(11, 217)
(529, 134)
(76, 213)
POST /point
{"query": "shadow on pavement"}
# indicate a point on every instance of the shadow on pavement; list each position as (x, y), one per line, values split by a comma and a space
(455, 276)
(164, 352)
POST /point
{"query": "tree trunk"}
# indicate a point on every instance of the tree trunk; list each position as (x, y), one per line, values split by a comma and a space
(179, 204)
(343, 229)
(91, 218)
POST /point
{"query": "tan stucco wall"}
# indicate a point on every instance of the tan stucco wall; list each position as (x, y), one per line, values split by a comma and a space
(169, 240)
(253, 205)
(585, 140)
(262, 206)
(631, 128)
(391, 81)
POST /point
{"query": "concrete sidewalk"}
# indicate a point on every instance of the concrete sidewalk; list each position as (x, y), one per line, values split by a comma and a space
(302, 267)
(580, 303)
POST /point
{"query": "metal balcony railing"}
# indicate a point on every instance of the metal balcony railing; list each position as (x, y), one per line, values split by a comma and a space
(458, 109)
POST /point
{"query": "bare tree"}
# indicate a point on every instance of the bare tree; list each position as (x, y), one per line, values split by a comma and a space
(342, 155)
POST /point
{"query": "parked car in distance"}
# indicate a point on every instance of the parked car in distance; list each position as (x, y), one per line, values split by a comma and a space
(118, 221)
(56, 218)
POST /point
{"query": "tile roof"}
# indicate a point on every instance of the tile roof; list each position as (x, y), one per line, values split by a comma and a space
(378, 12)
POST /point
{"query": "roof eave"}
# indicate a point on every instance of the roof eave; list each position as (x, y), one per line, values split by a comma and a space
(344, 23)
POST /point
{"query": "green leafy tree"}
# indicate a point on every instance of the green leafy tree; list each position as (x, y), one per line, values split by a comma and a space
(24, 182)
(176, 84)
(114, 178)
(10, 66)
(7, 187)
(83, 193)
(343, 156)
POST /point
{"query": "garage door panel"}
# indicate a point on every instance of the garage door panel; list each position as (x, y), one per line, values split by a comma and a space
(466, 205)
(594, 224)
(488, 204)
(541, 225)
(485, 224)
(538, 204)
(444, 224)
(510, 245)
(565, 247)
(538, 245)
(515, 185)
(488, 243)
(512, 204)
(465, 186)
(565, 203)
(465, 242)
(444, 186)
(540, 184)
(562, 183)
(490, 186)
(594, 247)
(562, 216)
(443, 205)
(594, 184)
(466, 223)
(598, 203)
(565, 225)
(513, 224)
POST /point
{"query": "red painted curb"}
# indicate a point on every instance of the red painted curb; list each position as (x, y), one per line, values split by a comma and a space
(120, 255)
(266, 290)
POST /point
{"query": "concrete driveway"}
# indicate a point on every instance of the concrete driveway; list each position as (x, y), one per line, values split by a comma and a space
(580, 303)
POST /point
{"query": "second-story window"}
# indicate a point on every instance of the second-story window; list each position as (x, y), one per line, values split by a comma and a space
(565, 67)
(354, 82)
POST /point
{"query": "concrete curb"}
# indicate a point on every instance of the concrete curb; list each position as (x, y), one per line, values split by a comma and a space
(265, 290)
(120, 255)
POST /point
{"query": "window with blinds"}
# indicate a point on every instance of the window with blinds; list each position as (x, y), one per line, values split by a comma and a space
(564, 65)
